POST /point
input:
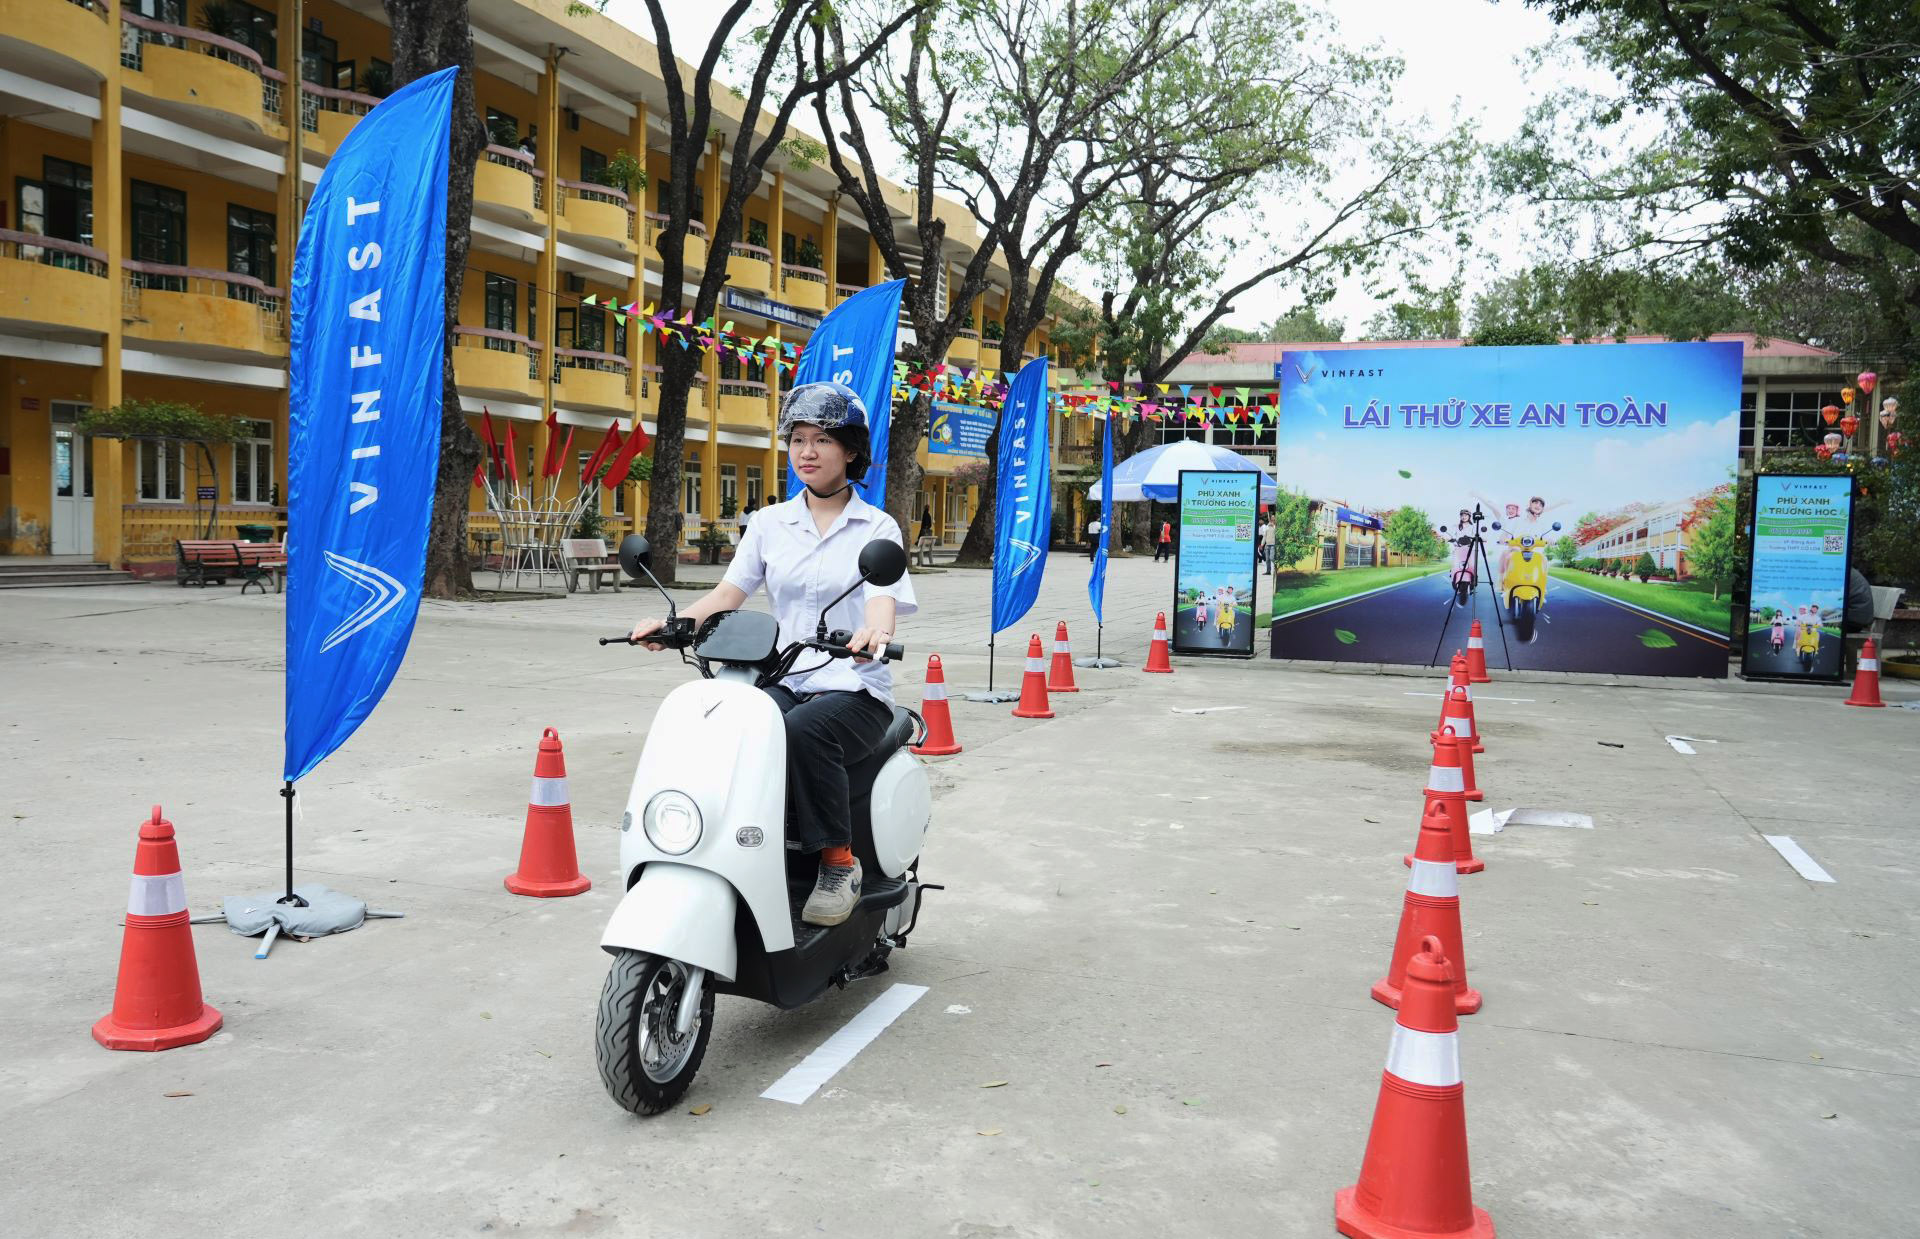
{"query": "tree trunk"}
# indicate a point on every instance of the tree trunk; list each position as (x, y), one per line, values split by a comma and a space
(911, 418)
(677, 368)
(430, 35)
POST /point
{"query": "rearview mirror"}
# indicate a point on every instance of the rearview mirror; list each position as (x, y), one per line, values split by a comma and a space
(634, 554)
(882, 562)
(1556, 526)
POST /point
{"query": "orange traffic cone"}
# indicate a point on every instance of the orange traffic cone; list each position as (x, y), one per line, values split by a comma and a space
(1432, 906)
(1476, 656)
(156, 1001)
(1060, 674)
(1456, 720)
(1033, 687)
(934, 709)
(1866, 678)
(548, 867)
(1157, 659)
(1414, 1180)
(1446, 786)
(1456, 678)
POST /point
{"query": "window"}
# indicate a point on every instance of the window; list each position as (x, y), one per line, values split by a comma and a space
(729, 487)
(592, 164)
(161, 466)
(253, 465)
(250, 248)
(599, 500)
(699, 213)
(318, 54)
(1793, 417)
(160, 233)
(503, 128)
(67, 446)
(690, 484)
(1748, 402)
(564, 331)
(729, 367)
(503, 309)
(1329, 555)
(789, 246)
(257, 28)
(533, 314)
(756, 491)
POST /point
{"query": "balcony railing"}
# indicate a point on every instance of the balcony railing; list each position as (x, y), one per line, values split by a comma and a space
(588, 359)
(520, 162)
(743, 387)
(52, 252)
(847, 290)
(812, 275)
(503, 342)
(315, 99)
(743, 250)
(94, 7)
(137, 31)
(588, 191)
(968, 333)
(205, 282)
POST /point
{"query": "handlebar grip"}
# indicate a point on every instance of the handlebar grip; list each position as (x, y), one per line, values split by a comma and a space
(620, 640)
(895, 652)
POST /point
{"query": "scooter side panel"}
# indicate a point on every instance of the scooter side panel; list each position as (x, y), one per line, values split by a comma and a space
(900, 807)
(678, 912)
(724, 745)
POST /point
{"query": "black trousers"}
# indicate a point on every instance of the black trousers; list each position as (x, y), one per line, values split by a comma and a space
(1162, 550)
(826, 733)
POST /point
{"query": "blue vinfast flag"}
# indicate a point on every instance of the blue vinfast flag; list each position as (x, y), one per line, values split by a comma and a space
(854, 345)
(369, 327)
(1097, 583)
(1023, 497)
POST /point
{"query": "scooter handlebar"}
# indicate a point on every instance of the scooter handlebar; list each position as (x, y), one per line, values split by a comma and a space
(676, 634)
(836, 645)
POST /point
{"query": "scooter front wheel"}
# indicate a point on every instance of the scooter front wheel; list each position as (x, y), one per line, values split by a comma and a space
(1463, 590)
(645, 1063)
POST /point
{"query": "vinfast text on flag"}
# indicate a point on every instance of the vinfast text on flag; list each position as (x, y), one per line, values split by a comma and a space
(1023, 499)
(368, 333)
(854, 345)
(1097, 583)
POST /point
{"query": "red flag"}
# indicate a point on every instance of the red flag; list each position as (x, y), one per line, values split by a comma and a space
(609, 442)
(561, 457)
(486, 428)
(513, 458)
(623, 459)
(480, 473)
(550, 463)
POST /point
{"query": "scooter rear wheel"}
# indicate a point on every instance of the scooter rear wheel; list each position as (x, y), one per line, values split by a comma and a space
(1462, 591)
(645, 1065)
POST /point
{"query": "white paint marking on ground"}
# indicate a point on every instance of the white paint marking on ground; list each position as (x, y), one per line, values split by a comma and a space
(1684, 744)
(1493, 821)
(957, 1009)
(1205, 709)
(1795, 855)
(1478, 697)
(1488, 821)
(838, 1050)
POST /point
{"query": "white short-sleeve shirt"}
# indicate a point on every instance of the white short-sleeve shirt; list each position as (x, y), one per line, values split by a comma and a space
(804, 570)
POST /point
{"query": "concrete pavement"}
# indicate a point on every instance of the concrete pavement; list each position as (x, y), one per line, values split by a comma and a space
(1169, 914)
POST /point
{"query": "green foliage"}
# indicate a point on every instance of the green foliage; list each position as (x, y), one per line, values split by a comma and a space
(162, 419)
(802, 152)
(591, 523)
(1644, 566)
(1424, 313)
(1515, 333)
(503, 132)
(757, 233)
(378, 81)
(624, 172)
(1306, 324)
(219, 19)
(1409, 532)
(1566, 550)
(995, 329)
(1711, 546)
(1295, 535)
(1595, 300)
(807, 254)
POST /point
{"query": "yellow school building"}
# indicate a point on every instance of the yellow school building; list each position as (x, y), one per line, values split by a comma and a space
(143, 256)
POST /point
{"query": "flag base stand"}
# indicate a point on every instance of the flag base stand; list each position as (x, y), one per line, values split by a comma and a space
(991, 696)
(304, 912)
(1097, 662)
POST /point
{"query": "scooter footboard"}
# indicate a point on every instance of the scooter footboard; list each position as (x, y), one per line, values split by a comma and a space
(681, 913)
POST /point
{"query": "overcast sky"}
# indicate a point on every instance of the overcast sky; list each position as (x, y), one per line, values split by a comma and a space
(1459, 54)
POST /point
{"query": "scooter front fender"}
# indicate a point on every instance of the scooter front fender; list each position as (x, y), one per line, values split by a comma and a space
(678, 912)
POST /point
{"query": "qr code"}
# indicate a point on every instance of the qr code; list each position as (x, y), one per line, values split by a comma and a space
(1243, 531)
(1835, 544)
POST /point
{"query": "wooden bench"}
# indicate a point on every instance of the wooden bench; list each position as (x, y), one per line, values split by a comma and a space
(261, 562)
(587, 557)
(201, 561)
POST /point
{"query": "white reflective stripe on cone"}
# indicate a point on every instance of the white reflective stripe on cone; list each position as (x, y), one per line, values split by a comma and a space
(1063, 647)
(1432, 1059)
(157, 894)
(1870, 664)
(1159, 634)
(1434, 877)
(1445, 779)
(1459, 727)
(1475, 643)
(934, 692)
(548, 791)
(1037, 664)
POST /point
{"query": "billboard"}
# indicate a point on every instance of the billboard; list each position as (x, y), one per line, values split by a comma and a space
(959, 429)
(1213, 564)
(1802, 537)
(1549, 492)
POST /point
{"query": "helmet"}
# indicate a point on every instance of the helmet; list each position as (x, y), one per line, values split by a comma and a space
(836, 409)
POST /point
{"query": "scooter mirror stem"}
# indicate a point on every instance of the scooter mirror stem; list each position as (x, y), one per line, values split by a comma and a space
(820, 629)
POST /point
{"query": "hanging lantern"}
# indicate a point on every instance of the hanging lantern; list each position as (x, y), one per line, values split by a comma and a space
(1846, 395)
(1849, 424)
(1823, 452)
(1889, 412)
(1895, 441)
(1831, 413)
(1867, 380)
(1833, 441)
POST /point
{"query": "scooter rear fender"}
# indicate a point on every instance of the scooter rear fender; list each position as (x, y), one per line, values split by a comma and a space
(678, 912)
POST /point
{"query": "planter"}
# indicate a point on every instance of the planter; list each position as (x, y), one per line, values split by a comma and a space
(1901, 666)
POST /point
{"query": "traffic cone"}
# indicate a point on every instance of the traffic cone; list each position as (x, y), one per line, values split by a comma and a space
(156, 1000)
(1866, 679)
(548, 867)
(933, 708)
(1457, 721)
(1033, 688)
(1456, 678)
(1476, 656)
(1157, 659)
(1446, 786)
(1414, 1180)
(1432, 906)
(1060, 674)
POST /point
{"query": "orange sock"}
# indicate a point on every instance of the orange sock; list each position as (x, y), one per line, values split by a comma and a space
(839, 858)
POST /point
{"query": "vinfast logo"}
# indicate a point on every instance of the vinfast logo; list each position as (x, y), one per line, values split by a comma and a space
(1022, 485)
(383, 594)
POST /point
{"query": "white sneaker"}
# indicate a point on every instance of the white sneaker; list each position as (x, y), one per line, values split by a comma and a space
(835, 892)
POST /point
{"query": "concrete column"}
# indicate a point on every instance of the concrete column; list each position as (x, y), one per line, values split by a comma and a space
(547, 159)
(109, 234)
(1759, 421)
(876, 263)
(773, 478)
(776, 225)
(830, 247)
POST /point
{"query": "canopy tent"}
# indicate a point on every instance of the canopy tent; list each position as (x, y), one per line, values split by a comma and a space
(1155, 474)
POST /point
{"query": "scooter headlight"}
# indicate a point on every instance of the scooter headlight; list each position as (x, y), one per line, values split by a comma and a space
(672, 822)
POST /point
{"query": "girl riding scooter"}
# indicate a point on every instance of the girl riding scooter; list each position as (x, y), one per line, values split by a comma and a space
(839, 711)
(1779, 636)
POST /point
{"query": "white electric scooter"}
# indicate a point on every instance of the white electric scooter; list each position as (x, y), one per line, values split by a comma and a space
(713, 890)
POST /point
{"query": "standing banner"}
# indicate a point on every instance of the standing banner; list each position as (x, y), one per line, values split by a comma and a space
(1097, 583)
(369, 331)
(1579, 475)
(1023, 498)
(854, 345)
(1798, 566)
(959, 429)
(1215, 563)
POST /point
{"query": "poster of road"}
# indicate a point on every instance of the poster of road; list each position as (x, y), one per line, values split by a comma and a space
(1799, 574)
(1214, 563)
(1576, 499)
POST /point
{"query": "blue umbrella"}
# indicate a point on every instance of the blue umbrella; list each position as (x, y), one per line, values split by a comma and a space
(1155, 474)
